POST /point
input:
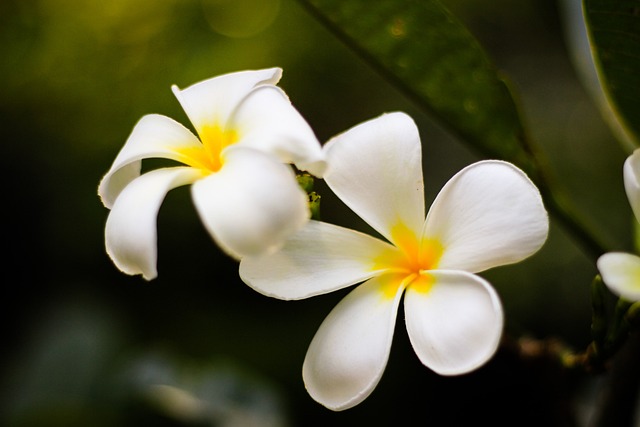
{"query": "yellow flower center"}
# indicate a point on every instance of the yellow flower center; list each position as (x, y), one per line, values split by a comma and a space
(411, 263)
(209, 156)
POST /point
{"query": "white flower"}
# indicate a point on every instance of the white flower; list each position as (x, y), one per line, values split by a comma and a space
(621, 271)
(247, 198)
(631, 178)
(487, 215)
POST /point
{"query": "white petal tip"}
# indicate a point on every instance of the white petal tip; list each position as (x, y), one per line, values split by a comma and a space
(621, 274)
(149, 277)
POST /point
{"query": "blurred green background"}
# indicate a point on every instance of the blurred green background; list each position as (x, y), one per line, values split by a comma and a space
(88, 345)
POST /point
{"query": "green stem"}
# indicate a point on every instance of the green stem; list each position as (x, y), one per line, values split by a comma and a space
(598, 320)
(633, 315)
(619, 328)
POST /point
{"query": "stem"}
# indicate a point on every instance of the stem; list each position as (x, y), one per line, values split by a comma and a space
(616, 404)
(598, 321)
(619, 328)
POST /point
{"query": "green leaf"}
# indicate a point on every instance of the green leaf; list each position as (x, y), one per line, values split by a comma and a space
(419, 46)
(614, 32)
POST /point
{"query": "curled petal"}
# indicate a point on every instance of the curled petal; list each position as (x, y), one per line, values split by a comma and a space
(212, 101)
(488, 214)
(376, 169)
(349, 353)
(319, 258)
(621, 273)
(131, 231)
(631, 175)
(252, 204)
(267, 121)
(153, 136)
(455, 324)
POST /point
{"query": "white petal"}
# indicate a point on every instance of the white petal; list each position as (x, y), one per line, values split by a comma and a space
(376, 169)
(349, 353)
(455, 326)
(631, 175)
(267, 121)
(621, 273)
(488, 214)
(212, 101)
(319, 258)
(131, 232)
(153, 136)
(252, 204)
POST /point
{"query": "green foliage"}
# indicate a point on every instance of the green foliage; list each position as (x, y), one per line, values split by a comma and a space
(425, 51)
(614, 31)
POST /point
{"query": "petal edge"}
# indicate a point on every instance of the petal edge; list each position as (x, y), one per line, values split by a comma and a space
(349, 353)
(375, 168)
(621, 273)
(488, 214)
(319, 258)
(130, 231)
(455, 327)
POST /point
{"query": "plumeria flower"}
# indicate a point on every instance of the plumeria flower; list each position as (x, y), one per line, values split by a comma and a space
(621, 271)
(487, 215)
(245, 193)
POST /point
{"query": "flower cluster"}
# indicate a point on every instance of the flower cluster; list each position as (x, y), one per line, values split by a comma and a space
(488, 214)
(621, 271)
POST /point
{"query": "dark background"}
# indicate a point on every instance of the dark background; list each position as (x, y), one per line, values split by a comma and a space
(88, 345)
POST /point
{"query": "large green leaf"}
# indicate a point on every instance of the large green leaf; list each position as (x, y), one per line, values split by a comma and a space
(427, 53)
(614, 32)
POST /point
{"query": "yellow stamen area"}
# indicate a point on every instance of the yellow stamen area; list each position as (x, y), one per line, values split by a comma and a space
(423, 283)
(407, 241)
(409, 262)
(208, 156)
